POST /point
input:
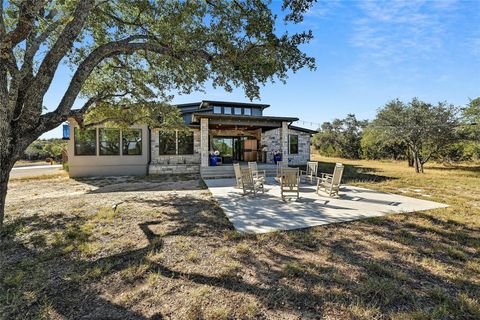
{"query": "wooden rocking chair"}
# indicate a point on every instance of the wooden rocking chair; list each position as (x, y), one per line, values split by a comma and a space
(238, 175)
(250, 184)
(310, 173)
(257, 174)
(331, 182)
(290, 182)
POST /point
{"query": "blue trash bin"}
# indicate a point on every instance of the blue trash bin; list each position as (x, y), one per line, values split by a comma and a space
(213, 161)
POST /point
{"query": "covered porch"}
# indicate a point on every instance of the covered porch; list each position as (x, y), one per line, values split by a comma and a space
(239, 138)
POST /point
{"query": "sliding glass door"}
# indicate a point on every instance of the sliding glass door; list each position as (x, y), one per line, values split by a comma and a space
(232, 149)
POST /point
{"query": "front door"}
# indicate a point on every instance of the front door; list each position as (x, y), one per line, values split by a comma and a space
(250, 150)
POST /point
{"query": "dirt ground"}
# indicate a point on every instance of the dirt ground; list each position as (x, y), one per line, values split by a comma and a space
(146, 248)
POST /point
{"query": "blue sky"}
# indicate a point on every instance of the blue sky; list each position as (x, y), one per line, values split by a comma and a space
(367, 52)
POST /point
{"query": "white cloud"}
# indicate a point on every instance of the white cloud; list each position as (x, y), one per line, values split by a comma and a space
(323, 8)
(393, 32)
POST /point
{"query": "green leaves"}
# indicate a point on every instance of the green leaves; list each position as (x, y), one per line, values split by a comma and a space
(225, 43)
(423, 127)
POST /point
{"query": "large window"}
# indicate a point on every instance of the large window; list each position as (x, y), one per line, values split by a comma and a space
(238, 110)
(168, 144)
(247, 111)
(293, 144)
(85, 142)
(217, 109)
(185, 142)
(227, 110)
(109, 142)
(132, 142)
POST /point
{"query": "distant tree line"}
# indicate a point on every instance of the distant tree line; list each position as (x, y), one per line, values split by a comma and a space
(42, 149)
(415, 131)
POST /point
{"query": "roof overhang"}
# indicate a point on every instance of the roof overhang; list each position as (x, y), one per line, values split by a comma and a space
(303, 129)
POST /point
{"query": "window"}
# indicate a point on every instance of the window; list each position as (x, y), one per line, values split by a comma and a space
(185, 142)
(85, 142)
(109, 142)
(247, 111)
(132, 142)
(293, 144)
(217, 109)
(227, 110)
(256, 112)
(238, 110)
(167, 145)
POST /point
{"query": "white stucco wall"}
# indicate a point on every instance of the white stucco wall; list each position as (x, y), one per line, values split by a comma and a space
(107, 165)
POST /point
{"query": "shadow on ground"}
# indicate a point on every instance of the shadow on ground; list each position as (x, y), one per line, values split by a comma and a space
(353, 173)
(142, 183)
(367, 269)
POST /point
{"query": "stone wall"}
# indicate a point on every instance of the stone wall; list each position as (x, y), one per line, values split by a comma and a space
(203, 146)
(303, 148)
(174, 164)
(273, 140)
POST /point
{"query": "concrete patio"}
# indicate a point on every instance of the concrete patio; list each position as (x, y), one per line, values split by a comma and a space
(268, 212)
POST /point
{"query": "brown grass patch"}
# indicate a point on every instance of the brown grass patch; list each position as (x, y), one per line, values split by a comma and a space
(66, 253)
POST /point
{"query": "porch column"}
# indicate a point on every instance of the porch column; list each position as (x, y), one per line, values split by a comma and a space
(284, 140)
(204, 142)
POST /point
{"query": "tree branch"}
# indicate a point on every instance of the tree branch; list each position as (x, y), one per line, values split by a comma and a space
(51, 61)
(26, 18)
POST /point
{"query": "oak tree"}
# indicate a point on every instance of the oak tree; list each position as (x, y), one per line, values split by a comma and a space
(424, 128)
(128, 56)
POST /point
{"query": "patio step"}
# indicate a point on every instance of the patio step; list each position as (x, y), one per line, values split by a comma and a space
(226, 171)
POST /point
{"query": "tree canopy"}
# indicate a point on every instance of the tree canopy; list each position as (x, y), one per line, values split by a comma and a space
(341, 137)
(128, 56)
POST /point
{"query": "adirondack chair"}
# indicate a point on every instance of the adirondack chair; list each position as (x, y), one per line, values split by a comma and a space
(257, 174)
(249, 183)
(238, 174)
(310, 173)
(331, 182)
(290, 182)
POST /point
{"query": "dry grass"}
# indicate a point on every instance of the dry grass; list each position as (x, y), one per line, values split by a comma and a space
(65, 253)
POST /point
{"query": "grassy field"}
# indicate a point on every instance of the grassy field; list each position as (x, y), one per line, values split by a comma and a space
(134, 249)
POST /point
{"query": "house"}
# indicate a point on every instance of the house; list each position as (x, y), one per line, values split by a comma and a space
(237, 131)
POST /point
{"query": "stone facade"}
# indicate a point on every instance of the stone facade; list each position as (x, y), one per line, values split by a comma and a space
(277, 140)
(274, 140)
(303, 148)
(204, 139)
(174, 164)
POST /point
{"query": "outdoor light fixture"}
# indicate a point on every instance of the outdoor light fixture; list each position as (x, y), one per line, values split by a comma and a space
(66, 132)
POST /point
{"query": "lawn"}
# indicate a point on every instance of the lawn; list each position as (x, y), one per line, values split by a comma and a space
(132, 248)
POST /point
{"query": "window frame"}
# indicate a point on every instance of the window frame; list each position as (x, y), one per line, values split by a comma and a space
(100, 141)
(75, 135)
(178, 142)
(290, 144)
(141, 142)
(159, 143)
(250, 111)
(228, 108)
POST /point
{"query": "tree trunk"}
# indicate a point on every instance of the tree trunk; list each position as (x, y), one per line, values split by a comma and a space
(410, 158)
(415, 161)
(5, 169)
